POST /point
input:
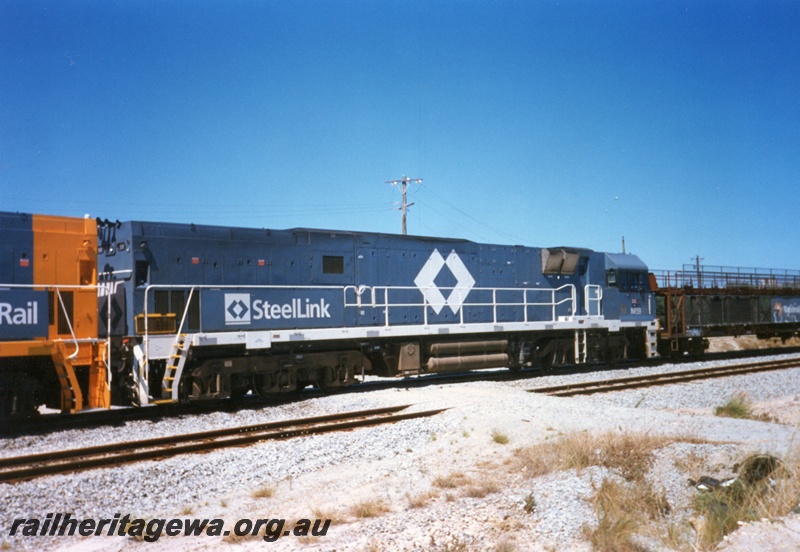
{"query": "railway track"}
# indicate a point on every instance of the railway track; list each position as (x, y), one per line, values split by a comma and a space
(653, 380)
(22, 468)
(50, 423)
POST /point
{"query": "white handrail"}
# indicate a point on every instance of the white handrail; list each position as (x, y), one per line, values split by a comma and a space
(553, 303)
(186, 310)
(589, 300)
(378, 297)
(75, 340)
(69, 325)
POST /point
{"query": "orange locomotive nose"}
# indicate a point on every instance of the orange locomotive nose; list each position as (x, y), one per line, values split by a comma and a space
(51, 315)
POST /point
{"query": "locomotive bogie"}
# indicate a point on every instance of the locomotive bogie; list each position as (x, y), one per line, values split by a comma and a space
(223, 376)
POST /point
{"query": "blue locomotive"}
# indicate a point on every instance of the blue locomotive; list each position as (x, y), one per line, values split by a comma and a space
(204, 312)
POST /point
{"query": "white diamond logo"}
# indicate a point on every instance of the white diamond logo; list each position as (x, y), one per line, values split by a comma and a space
(425, 281)
(236, 308)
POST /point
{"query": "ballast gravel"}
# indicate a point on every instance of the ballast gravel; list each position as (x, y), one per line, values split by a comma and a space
(449, 482)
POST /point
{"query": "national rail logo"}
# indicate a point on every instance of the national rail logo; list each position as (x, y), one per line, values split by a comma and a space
(13, 315)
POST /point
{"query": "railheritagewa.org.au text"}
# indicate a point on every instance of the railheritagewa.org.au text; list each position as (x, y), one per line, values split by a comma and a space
(152, 529)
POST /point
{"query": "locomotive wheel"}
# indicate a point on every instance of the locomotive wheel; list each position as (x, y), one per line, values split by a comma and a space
(18, 397)
(614, 355)
(240, 386)
(239, 392)
(548, 361)
(556, 353)
(331, 379)
(274, 386)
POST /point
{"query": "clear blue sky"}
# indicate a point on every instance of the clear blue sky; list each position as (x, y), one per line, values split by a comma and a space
(675, 124)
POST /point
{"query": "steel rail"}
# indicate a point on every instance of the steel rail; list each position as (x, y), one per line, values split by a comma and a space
(37, 465)
(652, 380)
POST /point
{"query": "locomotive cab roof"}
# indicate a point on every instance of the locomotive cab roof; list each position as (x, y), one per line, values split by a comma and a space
(624, 261)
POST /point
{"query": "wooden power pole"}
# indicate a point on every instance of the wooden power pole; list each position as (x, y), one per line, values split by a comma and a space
(403, 186)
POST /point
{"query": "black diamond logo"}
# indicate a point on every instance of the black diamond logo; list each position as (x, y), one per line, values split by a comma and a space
(237, 309)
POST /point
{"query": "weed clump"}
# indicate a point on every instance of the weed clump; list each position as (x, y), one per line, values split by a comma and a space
(765, 488)
(369, 508)
(499, 438)
(738, 406)
(629, 454)
(451, 481)
(266, 491)
(626, 504)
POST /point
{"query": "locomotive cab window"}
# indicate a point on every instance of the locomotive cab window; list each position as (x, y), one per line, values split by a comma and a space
(142, 273)
(627, 280)
(332, 264)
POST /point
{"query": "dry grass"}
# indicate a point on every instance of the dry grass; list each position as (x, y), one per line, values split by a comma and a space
(627, 506)
(499, 437)
(454, 545)
(308, 540)
(472, 489)
(328, 513)
(369, 508)
(631, 506)
(724, 508)
(506, 545)
(623, 509)
(530, 503)
(480, 490)
(616, 516)
(627, 453)
(374, 545)
(451, 481)
(652, 503)
(678, 535)
(631, 511)
(625, 503)
(567, 452)
(740, 406)
(421, 500)
(267, 491)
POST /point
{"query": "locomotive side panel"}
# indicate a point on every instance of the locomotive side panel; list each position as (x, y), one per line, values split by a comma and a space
(23, 310)
(49, 351)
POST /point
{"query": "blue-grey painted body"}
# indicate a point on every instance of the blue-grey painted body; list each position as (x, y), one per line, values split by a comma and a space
(23, 311)
(345, 279)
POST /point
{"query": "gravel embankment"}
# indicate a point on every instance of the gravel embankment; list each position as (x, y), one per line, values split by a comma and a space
(398, 469)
